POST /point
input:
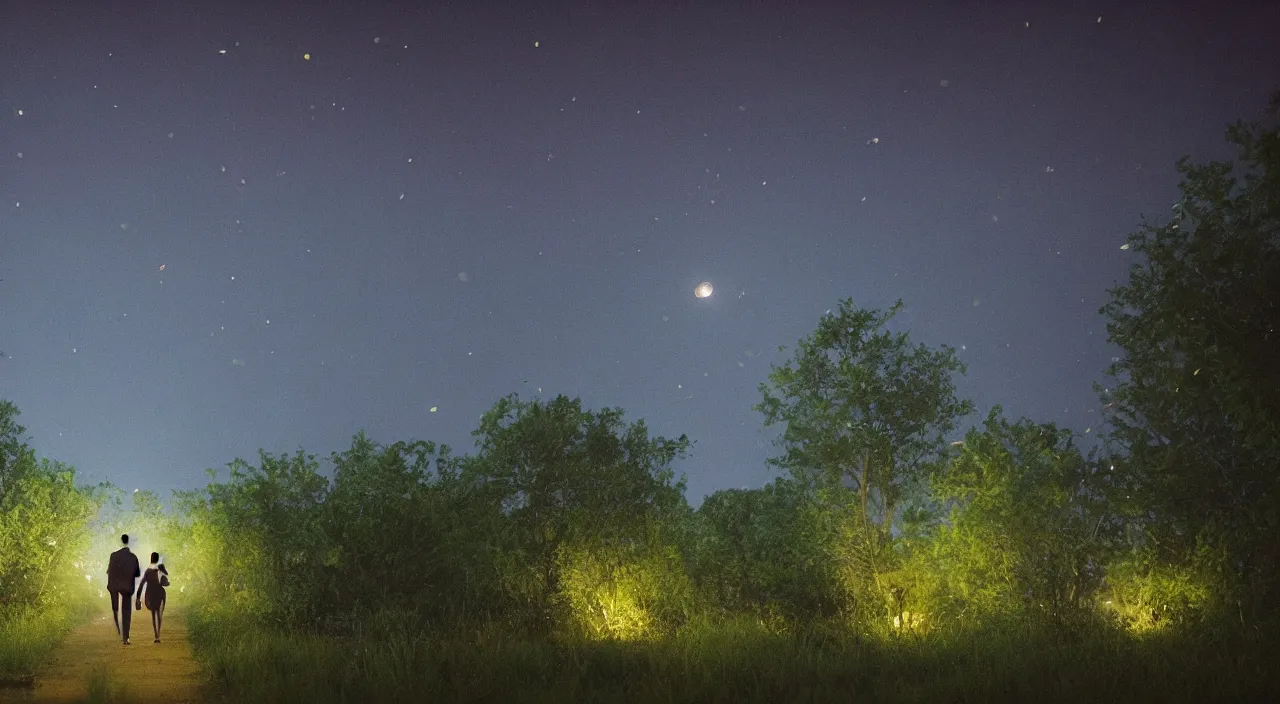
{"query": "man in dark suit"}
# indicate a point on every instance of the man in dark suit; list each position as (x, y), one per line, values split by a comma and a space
(122, 574)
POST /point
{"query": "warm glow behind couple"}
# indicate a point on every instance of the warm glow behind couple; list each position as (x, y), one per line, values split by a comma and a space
(123, 573)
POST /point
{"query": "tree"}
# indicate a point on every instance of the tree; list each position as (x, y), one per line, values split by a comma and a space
(390, 524)
(13, 449)
(1196, 396)
(767, 549)
(44, 520)
(862, 406)
(258, 539)
(571, 479)
(1029, 525)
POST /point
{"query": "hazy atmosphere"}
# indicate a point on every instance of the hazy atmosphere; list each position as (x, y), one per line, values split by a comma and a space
(213, 243)
(730, 353)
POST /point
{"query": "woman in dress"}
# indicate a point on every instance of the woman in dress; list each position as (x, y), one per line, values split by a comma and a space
(154, 580)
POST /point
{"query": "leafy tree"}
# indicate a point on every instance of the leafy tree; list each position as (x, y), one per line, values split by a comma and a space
(259, 539)
(767, 550)
(44, 519)
(861, 405)
(566, 477)
(863, 410)
(1029, 526)
(396, 536)
(13, 449)
(1196, 397)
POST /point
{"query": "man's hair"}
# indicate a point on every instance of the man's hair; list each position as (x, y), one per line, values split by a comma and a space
(125, 538)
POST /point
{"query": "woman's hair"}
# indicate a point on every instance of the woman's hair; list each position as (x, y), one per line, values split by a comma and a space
(155, 557)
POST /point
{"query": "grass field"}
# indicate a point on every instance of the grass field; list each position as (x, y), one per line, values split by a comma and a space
(736, 661)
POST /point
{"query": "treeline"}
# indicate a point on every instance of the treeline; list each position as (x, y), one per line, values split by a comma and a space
(45, 530)
(568, 526)
(569, 519)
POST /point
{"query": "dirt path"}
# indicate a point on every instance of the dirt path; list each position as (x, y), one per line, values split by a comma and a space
(92, 655)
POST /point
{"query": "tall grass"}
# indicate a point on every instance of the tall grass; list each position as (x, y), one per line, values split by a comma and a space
(735, 660)
(105, 687)
(28, 635)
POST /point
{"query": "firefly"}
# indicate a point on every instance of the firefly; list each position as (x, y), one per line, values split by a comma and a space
(703, 290)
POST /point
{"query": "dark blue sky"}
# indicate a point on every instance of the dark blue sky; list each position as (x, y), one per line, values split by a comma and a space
(582, 168)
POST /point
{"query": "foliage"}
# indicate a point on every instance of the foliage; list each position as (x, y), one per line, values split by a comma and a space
(44, 531)
(261, 543)
(1196, 396)
(767, 550)
(860, 404)
(402, 532)
(13, 449)
(568, 478)
(731, 660)
(1147, 593)
(625, 594)
(863, 408)
(44, 520)
(410, 528)
(1029, 524)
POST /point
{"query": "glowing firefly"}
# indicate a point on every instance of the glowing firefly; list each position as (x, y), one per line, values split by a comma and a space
(162, 267)
(703, 290)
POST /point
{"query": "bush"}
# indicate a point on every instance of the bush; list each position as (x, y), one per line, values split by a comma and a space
(625, 597)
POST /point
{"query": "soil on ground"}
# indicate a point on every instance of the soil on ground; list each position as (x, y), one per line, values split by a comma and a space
(93, 656)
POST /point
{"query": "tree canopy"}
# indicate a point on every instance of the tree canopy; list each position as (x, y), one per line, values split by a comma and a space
(862, 405)
(1196, 394)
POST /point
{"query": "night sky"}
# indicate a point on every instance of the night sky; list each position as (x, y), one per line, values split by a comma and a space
(212, 243)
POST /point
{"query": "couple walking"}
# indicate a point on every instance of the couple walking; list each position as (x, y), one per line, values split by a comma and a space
(122, 573)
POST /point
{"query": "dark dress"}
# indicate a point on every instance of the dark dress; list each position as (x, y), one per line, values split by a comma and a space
(154, 594)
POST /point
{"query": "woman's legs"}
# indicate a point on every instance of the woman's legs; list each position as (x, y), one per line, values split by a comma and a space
(155, 623)
(160, 618)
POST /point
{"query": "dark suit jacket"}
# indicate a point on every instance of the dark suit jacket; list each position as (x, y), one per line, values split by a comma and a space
(122, 569)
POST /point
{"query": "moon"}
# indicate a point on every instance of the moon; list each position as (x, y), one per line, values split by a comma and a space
(703, 290)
